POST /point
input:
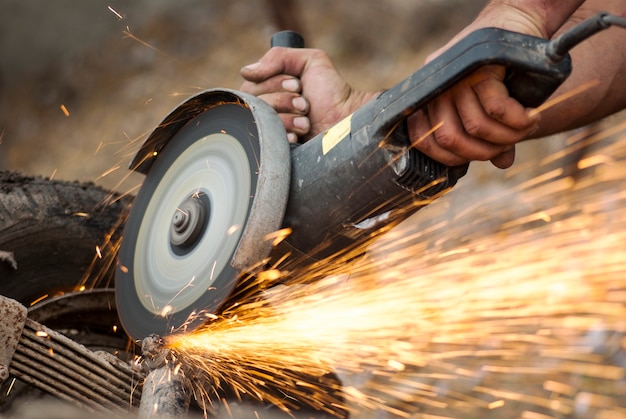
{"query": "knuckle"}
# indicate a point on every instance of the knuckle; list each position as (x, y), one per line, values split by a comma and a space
(474, 127)
(446, 138)
(495, 109)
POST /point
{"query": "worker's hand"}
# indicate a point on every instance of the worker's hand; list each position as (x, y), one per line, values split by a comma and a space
(475, 120)
(480, 120)
(304, 87)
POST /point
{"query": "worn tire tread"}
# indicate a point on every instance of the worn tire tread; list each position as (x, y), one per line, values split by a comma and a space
(52, 227)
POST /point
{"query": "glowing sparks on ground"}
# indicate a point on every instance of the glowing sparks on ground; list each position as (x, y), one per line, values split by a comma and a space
(515, 307)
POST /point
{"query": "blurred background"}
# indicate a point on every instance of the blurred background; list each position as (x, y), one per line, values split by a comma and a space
(82, 83)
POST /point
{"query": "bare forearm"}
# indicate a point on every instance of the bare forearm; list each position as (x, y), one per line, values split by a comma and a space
(600, 63)
(542, 17)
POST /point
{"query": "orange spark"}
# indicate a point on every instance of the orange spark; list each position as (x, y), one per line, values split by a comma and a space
(43, 297)
(64, 110)
(128, 34)
(562, 98)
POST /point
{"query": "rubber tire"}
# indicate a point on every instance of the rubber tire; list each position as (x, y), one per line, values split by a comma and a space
(52, 228)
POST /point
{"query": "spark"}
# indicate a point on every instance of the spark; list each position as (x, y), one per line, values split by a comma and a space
(128, 34)
(563, 97)
(108, 172)
(43, 297)
(98, 252)
(427, 134)
(11, 386)
(112, 10)
(167, 310)
(513, 307)
(233, 229)
(213, 270)
(278, 236)
(100, 145)
(64, 110)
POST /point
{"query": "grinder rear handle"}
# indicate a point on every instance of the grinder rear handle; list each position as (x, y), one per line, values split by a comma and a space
(535, 67)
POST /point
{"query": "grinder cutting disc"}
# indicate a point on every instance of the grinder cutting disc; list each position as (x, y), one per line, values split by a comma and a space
(217, 184)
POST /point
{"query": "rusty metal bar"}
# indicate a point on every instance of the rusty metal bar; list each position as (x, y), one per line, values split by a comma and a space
(164, 393)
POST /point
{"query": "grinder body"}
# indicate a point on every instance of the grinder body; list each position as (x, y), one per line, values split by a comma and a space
(363, 173)
(333, 192)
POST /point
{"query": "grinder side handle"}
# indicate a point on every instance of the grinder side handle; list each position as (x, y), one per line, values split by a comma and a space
(288, 39)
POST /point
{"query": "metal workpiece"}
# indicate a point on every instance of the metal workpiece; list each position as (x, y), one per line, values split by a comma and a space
(13, 316)
(164, 390)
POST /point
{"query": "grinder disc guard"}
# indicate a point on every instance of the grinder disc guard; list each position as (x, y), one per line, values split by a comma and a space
(215, 188)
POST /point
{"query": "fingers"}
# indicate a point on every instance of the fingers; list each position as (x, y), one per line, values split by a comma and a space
(276, 83)
(478, 121)
(275, 80)
(279, 60)
(487, 84)
(505, 159)
(281, 92)
(296, 126)
(449, 143)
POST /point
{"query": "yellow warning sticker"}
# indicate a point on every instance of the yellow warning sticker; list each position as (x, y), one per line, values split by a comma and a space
(335, 134)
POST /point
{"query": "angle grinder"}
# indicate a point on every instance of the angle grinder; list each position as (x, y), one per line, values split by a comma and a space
(221, 178)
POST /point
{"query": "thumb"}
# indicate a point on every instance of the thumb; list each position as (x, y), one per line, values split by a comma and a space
(505, 159)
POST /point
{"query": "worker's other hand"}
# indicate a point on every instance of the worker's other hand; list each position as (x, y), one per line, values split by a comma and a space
(476, 120)
(304, 87)
(480, 120)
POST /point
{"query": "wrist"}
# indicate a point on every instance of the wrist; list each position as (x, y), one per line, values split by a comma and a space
(540, 18)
